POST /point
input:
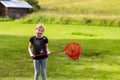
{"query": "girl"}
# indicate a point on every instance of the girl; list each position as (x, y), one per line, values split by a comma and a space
(38, 44)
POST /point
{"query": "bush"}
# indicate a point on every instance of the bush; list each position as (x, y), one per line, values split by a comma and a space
(5, 19)
(63, 19)
(34, 3)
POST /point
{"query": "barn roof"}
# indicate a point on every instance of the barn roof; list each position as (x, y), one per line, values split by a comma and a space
(16, 4)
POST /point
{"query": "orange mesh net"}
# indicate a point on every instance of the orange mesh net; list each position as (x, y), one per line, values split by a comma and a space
(73, 50)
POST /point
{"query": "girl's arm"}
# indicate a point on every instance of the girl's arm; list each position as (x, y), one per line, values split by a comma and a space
(48, 51)
(30, 48)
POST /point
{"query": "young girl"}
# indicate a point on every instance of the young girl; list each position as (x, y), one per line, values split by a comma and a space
(38, 44)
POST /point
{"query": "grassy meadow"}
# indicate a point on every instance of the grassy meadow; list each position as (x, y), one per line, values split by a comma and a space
(85, 12)
(99, 60)
(97, 7)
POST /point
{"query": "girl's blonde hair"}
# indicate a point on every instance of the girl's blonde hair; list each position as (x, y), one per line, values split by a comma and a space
(39, 26)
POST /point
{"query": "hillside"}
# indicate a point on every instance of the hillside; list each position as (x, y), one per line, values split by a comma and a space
(91, 7)
(90, 12)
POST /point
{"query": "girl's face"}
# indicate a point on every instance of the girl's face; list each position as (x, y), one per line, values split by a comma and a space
(39, 31)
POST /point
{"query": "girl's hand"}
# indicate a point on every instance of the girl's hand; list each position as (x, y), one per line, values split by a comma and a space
(32, 55)
(48, 52)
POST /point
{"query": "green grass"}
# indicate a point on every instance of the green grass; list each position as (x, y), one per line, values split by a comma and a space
(99, 59)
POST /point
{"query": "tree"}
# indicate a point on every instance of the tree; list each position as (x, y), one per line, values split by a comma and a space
(35, 4)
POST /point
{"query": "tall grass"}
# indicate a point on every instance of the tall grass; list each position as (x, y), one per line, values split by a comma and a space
(72, 19)
(90, 12)
(2, 19)
(110, 7)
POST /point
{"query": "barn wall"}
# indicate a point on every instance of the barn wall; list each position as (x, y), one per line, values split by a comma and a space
(17, 12)
(13, 12)
(2, 10)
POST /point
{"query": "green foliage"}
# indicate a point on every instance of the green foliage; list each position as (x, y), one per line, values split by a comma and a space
(5, 19)
(35, 5)
(69, 19)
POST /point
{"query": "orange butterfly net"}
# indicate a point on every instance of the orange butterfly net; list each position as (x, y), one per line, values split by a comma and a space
(72, 50)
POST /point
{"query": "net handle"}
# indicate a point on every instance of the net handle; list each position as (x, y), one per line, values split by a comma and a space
(45, 54)
(57, 51)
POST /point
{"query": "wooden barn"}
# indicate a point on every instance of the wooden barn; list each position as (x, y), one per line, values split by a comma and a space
(14, 9)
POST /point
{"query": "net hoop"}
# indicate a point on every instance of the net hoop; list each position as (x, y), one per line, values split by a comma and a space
(73, 50)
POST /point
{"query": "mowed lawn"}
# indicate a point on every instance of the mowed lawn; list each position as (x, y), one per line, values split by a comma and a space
(99, 60)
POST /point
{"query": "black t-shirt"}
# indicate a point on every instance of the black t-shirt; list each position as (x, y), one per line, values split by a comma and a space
(39, 46)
